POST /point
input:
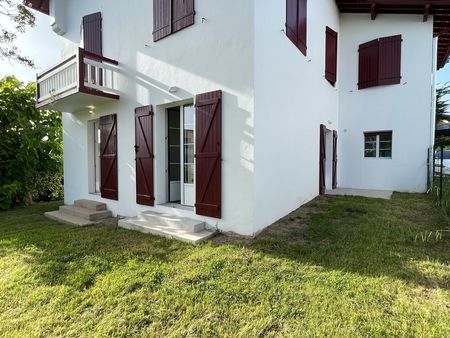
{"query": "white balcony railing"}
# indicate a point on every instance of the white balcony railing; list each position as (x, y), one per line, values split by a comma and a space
(83, 72)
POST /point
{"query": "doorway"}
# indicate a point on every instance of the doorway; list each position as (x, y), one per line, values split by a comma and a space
(181, 159)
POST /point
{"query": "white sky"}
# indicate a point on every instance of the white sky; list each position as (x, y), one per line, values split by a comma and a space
(40, 44)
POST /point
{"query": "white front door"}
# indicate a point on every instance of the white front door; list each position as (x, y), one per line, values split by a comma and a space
(187, 155)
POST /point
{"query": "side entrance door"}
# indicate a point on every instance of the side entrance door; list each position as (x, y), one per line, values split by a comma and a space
(144, 155)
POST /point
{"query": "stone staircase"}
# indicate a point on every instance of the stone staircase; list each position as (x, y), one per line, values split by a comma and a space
(82, 212)
(169, 226)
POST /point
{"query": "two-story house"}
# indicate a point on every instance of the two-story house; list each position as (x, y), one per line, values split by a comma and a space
(234, 113)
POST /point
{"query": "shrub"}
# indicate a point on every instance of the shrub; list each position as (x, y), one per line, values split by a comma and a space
(47, 187)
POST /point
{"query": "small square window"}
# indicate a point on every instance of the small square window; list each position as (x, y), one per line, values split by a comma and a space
(378, 144)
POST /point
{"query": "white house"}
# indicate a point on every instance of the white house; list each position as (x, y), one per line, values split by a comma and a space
(236, 112)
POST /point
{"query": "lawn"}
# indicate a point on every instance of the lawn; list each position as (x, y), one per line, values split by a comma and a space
(336, 267)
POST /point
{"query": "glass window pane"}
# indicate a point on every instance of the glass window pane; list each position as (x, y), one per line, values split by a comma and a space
(189, 173)
(370, 137)
(174, 172)
(385, 153)
(386, 137)
(174, 118)
(189, 154)
(370, 153)
(174, 136)
(174, 154)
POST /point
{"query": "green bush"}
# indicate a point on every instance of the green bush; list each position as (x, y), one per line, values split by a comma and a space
(10, 193)
(30, 143)
(47, 187)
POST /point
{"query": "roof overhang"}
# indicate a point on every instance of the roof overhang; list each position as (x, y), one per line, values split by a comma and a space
(440, 9)
(38, 5)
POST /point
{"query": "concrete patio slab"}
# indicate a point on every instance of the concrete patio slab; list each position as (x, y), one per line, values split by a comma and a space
(384, 194)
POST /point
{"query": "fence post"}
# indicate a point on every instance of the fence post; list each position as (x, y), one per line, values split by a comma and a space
(441, 175)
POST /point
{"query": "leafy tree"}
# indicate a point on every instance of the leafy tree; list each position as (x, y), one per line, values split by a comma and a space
(31, 141)
(14, 19)
(442, 113)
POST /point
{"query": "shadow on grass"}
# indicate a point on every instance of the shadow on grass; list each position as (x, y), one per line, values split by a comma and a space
(75, 256)
(370, 237)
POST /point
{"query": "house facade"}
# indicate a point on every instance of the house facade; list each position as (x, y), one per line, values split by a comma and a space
(238, 112)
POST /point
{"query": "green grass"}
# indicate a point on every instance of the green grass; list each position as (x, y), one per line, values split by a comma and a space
(337, 267)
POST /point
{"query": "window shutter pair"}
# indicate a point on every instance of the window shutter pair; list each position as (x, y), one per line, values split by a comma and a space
(331, 45)
(296, 23)
(170, 16)
(380, 62)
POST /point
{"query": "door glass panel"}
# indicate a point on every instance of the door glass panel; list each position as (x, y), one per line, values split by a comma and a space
(189, 145)
(174, 144)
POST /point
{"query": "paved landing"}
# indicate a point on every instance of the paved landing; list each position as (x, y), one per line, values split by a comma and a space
(384, 194)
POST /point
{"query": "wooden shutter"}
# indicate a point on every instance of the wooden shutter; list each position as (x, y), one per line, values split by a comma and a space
(335, 139)
(302, 25)
(322, 159)
(368, 64)
(162, 23)
(292, 20)
(144, 155)
(389, 60)
(108, 157)
(208, 157)
(331, 43)
(182, 14)
(92, 33)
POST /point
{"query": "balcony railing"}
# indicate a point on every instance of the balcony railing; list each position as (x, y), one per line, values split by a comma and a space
(82, 81)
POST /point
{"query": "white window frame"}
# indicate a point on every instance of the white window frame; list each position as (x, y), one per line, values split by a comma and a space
(377, 144)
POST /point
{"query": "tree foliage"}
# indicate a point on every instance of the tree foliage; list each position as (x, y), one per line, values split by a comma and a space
(31, 141)
(442, 113)
(14, 19)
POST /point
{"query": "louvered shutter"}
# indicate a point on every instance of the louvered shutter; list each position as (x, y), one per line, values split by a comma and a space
(292, 20)
(208, 157)
(182, 14)
(389, 61)
(92, 33)
(144, 155)
(331, 43)
(162, 23)
(368, 64)
(302, 25)
(108, 157)
(335, 140)
(322, 159)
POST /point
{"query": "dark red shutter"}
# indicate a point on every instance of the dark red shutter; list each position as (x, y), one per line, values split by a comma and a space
(92, 33)
(108, 157)
(208, 157)
(292, 20)
(182, 14)
(335, 139)
(331, 44)
(302, 25)
(162, 23)
(322, 159)
(144, 155)
(390, 55)
(296, 23)
(368, 65)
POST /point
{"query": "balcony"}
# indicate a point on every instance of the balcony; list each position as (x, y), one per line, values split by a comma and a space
(81, 82)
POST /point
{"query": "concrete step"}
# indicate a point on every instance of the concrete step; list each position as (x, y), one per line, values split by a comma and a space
(163, 230)
(86, 214)
(91, 205)
(172, 221)
(67, 219)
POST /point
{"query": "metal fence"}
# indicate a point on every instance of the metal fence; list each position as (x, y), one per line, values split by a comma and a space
(439, 176)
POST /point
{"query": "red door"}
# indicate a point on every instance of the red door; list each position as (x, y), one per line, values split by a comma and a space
(335, 139)
(208, 157)
(322, 159)
(108, 157)
(144, 155)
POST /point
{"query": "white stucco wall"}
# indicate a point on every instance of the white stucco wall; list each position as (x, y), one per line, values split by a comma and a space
(292, 99)
(405, 109)
(216, 54)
